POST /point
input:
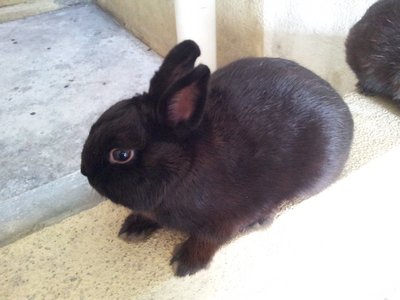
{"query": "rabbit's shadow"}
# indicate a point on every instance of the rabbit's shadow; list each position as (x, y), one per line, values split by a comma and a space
(385, 103)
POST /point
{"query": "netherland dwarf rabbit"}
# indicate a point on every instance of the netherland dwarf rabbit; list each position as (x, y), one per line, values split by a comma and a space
(373, 50)
(212, 154)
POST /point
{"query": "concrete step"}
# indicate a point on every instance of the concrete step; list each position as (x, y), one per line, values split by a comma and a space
(45, 205)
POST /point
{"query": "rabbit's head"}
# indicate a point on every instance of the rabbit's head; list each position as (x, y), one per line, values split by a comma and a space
(141, 146)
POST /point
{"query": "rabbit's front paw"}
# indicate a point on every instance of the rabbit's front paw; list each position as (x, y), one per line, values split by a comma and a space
(192, 256)
(137, 228)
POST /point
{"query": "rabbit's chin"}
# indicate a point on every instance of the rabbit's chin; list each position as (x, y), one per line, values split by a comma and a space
(104, 192)
(132, 199)
(101, 192)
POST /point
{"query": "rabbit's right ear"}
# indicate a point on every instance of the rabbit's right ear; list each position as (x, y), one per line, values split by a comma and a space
(178, 62)
(181, 107)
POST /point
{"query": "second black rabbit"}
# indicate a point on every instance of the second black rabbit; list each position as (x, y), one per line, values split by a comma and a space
(373, 50)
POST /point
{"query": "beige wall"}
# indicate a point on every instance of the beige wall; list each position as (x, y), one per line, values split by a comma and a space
(152, 21)
(239, 29)
(313, 32)
(239, 25)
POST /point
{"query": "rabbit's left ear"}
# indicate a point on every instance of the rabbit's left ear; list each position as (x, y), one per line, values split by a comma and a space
(178, 62)
(182, 105)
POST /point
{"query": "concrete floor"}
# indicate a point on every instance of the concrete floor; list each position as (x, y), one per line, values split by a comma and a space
(60, 70)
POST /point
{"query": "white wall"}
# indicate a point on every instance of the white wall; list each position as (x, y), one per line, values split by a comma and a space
(312, 32)
(195, 20)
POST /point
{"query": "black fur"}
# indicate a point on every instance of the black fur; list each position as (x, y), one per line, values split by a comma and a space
(373, 50)
(216, 154)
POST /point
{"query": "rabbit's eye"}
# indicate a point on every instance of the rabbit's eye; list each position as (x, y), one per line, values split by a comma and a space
(121, 156)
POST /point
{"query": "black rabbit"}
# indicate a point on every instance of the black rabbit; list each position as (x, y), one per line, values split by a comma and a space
(211, 155)
(373, 50)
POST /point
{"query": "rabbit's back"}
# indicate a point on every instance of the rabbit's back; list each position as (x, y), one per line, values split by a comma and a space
(283, 119)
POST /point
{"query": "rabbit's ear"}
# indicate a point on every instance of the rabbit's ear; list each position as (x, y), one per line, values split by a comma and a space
(182, 106)
(178, 62)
